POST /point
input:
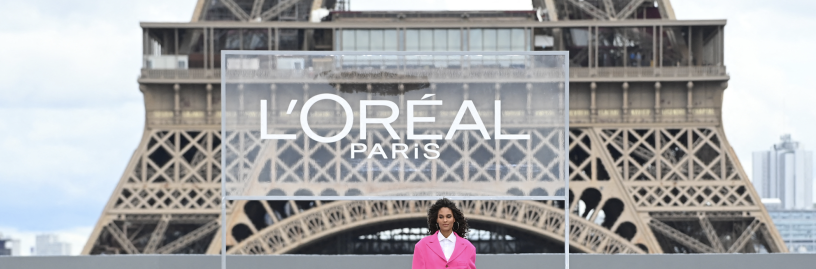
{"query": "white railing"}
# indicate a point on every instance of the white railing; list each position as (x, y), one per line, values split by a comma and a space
(647, 72)
(181, 73)
(575, 72)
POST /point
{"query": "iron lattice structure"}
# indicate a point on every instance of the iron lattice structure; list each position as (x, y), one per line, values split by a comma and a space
(651, 170)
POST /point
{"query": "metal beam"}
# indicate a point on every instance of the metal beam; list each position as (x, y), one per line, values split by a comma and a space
(236, 10)
(591, 10)
(434, 25)
(547, 222)
(745, 237)
(193, 219)
(690, 216)
(198, 11)
(189, 238)
(609, 7)
(766, 235)
(627, 10)
(666, 10)
(177, 218)
(552, 10)
(711, 234)
(122, 239)
(256, 9)
(648, 154)
(273, 12)
(680, 237)
(158, 235)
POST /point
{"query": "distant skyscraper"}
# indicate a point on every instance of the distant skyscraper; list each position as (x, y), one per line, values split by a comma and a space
(9, 247)
(49, 244)
(785, 172)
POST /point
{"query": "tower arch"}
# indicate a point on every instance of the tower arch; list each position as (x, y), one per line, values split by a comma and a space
(325, 220)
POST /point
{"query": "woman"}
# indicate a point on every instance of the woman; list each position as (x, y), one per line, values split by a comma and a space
(446, 246)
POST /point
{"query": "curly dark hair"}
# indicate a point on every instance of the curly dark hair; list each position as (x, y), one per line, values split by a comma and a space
(461, 227)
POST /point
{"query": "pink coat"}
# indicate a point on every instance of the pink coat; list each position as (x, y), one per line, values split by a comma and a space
(428, 254)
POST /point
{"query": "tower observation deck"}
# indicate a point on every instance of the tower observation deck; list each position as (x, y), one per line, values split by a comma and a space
(650, 167)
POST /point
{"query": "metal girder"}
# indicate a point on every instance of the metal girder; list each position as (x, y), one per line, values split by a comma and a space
(193, 219)
(591, 10)
(122, 239)
(141, 218)
(236, 10)
(581, 55)
(711, 234)
(177, 218)
(627, 10)
(609, 12)
(680, 237)
(640, 152)
(158, 235)
(306, 226)
(745, 237)
(666, 10)
(648, 155)
(473, 24)
(256, 9)
(549, 6)
(766, 235)
(189, 238)
(689, 216)
(278, 9)
(609, 7)
(552, 10)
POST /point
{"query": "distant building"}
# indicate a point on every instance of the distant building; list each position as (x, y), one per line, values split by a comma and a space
(798, 229)
(785, 172)
(783, 177)
(49, 245)
(9, 247)
(772, 204)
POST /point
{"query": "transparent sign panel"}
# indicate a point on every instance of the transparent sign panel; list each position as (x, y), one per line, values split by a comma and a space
(348, 125)
(349, 138)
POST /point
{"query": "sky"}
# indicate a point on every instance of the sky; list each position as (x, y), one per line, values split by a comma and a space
(71, 114)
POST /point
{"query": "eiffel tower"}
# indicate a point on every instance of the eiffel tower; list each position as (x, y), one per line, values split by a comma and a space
(651, 169)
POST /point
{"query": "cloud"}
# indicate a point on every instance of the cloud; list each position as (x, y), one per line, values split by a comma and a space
(61, 164)
(83, 53)
(72, 111)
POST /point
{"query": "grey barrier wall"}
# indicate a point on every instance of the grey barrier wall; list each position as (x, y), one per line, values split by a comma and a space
(517, 261)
